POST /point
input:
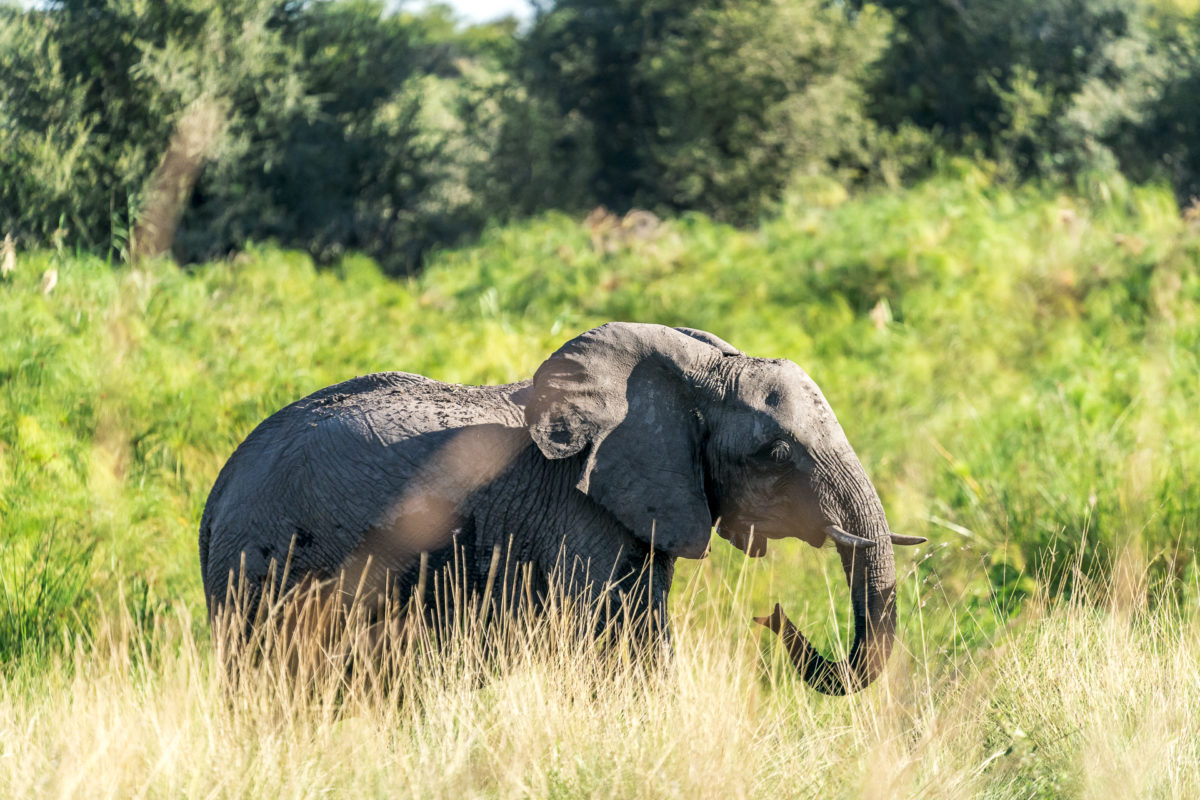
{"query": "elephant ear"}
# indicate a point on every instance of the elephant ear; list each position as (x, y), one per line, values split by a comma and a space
(623, 390)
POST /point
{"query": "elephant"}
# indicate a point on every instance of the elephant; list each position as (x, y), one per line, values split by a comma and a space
(629, 445)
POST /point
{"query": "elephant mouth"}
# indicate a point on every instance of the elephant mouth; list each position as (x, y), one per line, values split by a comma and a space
(749, 536)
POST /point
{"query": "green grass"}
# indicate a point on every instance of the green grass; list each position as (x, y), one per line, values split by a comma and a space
(1017, 368)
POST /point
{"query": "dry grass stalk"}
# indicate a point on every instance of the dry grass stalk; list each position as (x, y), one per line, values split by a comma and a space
(1076, 701)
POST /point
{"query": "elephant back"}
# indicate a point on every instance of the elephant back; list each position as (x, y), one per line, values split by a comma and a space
(316, 476)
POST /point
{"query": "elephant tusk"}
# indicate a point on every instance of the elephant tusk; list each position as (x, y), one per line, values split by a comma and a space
(848, 539)
(899, 538)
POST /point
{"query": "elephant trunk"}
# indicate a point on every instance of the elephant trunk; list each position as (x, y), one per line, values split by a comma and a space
(871, 577)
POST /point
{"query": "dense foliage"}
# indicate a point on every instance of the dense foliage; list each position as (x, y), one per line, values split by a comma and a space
(331, 126)
(713, 106)
(1047, 88)
(323, 126)
(1003, 75)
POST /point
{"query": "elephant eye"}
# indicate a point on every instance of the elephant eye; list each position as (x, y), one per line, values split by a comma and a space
(779, 451)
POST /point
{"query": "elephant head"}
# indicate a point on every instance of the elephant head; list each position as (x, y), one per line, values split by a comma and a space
(682, 432)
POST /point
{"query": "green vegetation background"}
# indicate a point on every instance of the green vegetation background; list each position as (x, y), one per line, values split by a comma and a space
(1017, 368)
(973, 223)
(336, 126)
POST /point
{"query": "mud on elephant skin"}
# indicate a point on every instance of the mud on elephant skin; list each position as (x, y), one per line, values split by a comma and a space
(621, 454)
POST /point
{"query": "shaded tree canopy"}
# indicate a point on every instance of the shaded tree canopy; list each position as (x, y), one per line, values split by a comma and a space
(342, 125)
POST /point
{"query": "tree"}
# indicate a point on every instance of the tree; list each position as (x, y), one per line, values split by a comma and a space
(709, 105)
(1001, 76)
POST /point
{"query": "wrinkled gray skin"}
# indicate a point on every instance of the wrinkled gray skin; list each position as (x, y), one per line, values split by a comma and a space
(621, 454)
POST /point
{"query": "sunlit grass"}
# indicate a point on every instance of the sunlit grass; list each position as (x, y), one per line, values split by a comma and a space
(1095, 698)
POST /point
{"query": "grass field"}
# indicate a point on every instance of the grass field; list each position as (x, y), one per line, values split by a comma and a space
(1017, 368)
(1074, 700)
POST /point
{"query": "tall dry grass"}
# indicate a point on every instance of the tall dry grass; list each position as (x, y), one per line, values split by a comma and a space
(1093, 697)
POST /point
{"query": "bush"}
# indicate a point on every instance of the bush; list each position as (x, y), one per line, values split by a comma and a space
(375, 160)
(711, 106)
(322, 125)
(90, 92)
(1155, 137)
(1051, 89)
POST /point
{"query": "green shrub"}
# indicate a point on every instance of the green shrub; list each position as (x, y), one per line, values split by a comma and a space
(713, 106)
(996, 73)
(1052, 89)
(91, 90)
(322, 126)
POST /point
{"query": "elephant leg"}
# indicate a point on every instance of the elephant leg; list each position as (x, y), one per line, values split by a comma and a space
(632, 611)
